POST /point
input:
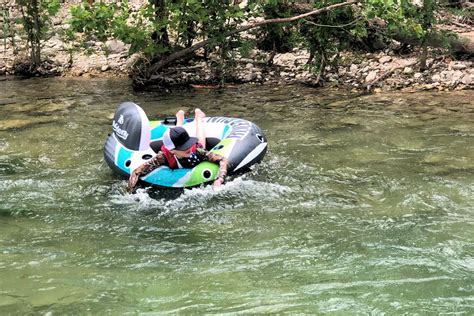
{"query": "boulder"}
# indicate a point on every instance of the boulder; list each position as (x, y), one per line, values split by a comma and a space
(457, 75)
(385, 59)
(467, 79)
(286, 59)
(115, 46)
(459, 66)
(353, 69)
(436, 78)
(371, 76)
(251, 76)
(253, 53)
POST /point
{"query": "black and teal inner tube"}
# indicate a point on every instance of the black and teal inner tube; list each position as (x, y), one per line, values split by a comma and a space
(135, 139)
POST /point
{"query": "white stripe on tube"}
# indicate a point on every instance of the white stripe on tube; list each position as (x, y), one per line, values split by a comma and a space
(145, 130)
(252, 155)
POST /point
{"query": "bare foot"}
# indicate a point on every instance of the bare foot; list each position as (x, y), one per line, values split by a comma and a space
(199, 114)
(180, 118)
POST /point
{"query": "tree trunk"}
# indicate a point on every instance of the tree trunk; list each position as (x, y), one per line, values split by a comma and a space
(30, 12)
(458, 43)
(463, 43)
(160, 36)
(36, 34)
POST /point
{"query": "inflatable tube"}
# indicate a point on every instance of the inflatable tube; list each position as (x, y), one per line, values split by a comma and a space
(135, 140)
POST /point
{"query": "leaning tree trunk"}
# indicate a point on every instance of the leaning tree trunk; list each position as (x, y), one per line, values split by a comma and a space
(462, 43)
(458, 43)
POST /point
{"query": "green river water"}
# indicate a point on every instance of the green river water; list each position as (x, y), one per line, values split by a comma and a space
(362, 205)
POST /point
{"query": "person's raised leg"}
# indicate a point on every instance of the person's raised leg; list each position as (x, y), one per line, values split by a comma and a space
(180, 118)
(200, 134)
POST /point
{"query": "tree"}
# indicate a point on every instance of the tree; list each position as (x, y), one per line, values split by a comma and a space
(36, 19)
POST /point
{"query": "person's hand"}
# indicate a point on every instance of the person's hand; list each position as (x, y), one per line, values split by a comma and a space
(217, 183)
(129, 189)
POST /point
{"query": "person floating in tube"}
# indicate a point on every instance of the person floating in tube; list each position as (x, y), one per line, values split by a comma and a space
(179, 150)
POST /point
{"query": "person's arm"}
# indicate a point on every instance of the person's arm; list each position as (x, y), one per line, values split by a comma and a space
(223, 166)
(144, 169)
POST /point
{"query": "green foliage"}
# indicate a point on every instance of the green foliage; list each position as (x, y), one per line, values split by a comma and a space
(403, 16)
(96, 18)
(7, 29)
(409, 19)
(278, 37)
(327, 34)
(148, 29)
(102, 21)
(323, 35)
(216, 19)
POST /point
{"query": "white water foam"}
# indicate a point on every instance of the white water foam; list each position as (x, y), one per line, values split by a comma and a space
(204, 197)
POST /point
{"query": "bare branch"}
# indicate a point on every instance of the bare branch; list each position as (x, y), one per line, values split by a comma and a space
(334, 26)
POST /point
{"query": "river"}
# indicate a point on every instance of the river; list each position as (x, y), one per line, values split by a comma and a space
(362, 205)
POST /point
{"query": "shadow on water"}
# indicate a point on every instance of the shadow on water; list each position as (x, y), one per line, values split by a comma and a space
(166, 194)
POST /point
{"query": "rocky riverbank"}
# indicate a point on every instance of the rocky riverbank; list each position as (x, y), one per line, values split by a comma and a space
(381, 71)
